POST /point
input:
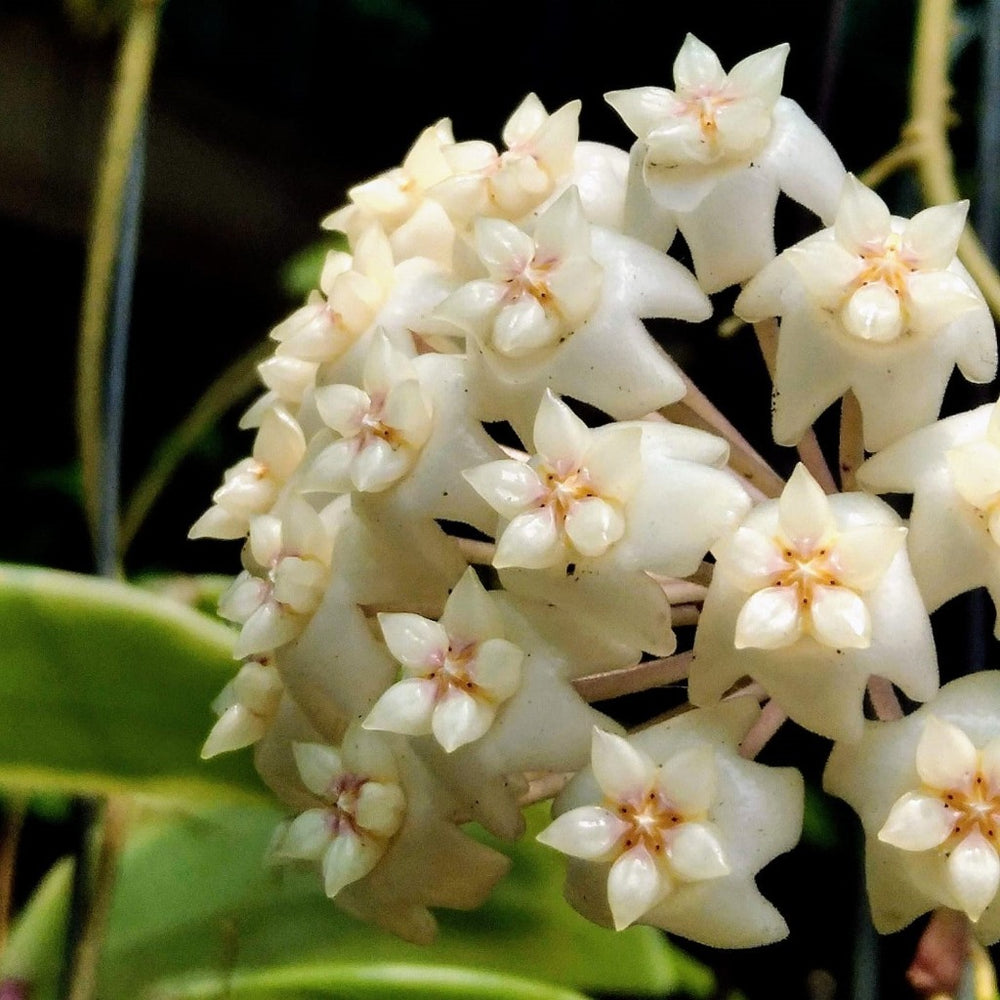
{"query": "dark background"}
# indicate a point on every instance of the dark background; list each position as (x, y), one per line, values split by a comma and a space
(260, 117)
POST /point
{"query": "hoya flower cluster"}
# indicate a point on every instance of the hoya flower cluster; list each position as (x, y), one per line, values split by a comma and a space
(425, 599)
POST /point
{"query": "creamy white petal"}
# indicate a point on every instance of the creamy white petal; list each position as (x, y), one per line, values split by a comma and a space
(498, 669)
(840, 618)
(593, 526)
(932, 235)
(588, 832)
(696, 852)
(522, 328)
(502, 247)
(937, 299)
(408, 411)
(689, 779)
(975, 471)
(643, 108)
(635, 885)
(769, 619)
(342, 407)
(946, 757)
(803, 509)
(532, 540)
(874, 313)
(378, 465)
(507, 486)
(974, 874)
(862, 217)
(471, 613)
(380, 808)
(751, 558)
(560, 436)
(318, 766)
(697, 67)
(622, 772)
(917, 822)
(406, 707)
(348, 858)
(307, 836)
(860, 556)
(417, 642)
(460, 718)
(760, 75)
(236, 727)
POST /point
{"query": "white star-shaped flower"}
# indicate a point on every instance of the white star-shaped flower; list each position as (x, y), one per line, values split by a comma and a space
(671, 825)
(591, 514)
(246, 707)
(712, 156)
(458, 671)
(876, 304)
(363, 809)
(510, 184)
(927, 790)
(393, 198)
(252, 486)
(381, 427)
(561, 305)
(289, 554)
(810, 596)
(952, 468)
(426, 861)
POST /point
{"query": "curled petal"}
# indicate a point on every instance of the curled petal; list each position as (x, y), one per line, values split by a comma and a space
(306, 837)
(532, 541)
(417, 642)
(862, 217)
(873, 312)
(917, 822)
(932, 235)
(503, 248)
(752, 558)
(862, 555)
(508, 486)
(697, 67)
(460, 718)
(560, 436)
(408, 411)
(688, 779)
(622, 772)
(588, 832)
(380, 808)
(769, 619)
(804, 510)
(974, 874)
(318, 766)
(643, 108)
(635, 885)
(522, 328)
(975, 471)
(378, 465)
(937, 299)
(406, 707)
(840, 618)
(696, 853)
(497, 669)
(946, 757)
(342, 407)
(593, 526)
(471, 614)
(348, 858)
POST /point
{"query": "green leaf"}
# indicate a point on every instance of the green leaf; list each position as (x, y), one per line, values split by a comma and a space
(194, 901)
(105, 688)
(300, 274)
(346, 982)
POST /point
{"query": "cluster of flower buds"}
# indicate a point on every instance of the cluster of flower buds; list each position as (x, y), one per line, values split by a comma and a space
(443, 549)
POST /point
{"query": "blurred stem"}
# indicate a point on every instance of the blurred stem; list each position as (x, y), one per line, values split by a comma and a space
(985, 215)
(87, 953)
(135, 61)
(235, 383)
(12, 826)
(852, 449)
(927, 131)
(899, 158)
